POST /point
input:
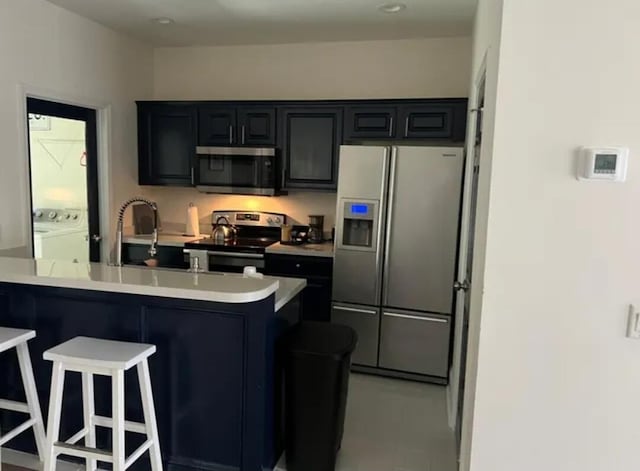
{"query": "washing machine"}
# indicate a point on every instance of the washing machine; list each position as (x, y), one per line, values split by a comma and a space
(61, 234)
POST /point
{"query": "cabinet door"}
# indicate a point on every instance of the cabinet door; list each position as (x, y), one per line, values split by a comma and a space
(257, 126)
(217, 126)
(366, 122)
(312, 138)
(415, 343)
(166, 144)
(427, 122)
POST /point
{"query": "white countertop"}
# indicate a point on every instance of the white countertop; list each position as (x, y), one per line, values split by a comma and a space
(166, 239)
(214, 287)
(305, 250)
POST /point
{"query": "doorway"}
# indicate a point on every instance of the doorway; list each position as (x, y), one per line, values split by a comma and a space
(464, 287)
(63, 172)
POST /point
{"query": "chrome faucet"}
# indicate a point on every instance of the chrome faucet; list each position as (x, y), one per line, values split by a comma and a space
(153, 250)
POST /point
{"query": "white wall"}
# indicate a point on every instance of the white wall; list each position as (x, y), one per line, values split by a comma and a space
(485, 60)
(557, 384)
(372, 69)
(46, 48)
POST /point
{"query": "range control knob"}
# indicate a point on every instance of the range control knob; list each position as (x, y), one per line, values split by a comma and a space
(67, 216)
(38, 214)
(53, 215)
(75, 217)
(270, 220)
(278, 221)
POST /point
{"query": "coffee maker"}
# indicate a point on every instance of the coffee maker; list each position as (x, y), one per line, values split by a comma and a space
(316, 229)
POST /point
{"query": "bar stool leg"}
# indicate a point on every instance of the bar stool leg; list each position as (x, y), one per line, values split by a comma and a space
(149, 415)
(88, 409)
(55, 410)
(26, 370)
(117, 411)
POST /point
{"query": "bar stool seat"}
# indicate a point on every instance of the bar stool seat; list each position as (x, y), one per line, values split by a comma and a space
(18, 338)
(91, 356)
(92, 353)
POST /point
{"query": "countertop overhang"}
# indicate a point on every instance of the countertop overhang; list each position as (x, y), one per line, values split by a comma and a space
(212, 286)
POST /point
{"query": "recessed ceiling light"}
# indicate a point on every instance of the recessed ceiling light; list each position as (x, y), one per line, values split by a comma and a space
(392, 7)
(163, 21)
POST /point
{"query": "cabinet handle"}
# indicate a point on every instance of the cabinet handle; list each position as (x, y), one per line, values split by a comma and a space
(416, 318)
(243, 134)
(353, 309)
(230, 134)
(193, 180)
(406, 127)
(391, 127)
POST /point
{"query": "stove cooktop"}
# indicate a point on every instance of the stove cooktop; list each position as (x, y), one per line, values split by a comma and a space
(240, 244)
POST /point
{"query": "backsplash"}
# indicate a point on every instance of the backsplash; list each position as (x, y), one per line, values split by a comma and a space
(173, 203)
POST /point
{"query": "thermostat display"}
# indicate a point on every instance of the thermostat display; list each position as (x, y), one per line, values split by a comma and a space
(605, 164)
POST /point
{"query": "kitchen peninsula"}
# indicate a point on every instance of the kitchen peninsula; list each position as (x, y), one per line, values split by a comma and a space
(216, 374)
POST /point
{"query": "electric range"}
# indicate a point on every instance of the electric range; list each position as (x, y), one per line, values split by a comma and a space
(255, 232)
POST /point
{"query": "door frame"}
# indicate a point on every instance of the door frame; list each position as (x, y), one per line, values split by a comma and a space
(103, 129)
(470, 151)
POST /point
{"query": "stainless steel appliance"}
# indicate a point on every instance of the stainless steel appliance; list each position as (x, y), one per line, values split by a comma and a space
(255, 231)
(396, 242)
(238, 170)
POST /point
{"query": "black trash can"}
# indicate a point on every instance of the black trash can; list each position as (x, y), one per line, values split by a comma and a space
(317, 382)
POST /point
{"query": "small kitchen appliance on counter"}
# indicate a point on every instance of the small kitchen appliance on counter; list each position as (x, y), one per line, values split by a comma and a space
(316, 229)
(254, 232)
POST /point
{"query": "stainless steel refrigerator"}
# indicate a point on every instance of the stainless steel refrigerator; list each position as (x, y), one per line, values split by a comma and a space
(396, 241)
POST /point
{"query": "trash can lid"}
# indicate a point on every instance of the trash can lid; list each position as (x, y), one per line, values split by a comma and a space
(322, 338)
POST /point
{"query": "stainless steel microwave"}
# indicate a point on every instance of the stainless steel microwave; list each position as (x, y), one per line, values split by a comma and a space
(237, 170)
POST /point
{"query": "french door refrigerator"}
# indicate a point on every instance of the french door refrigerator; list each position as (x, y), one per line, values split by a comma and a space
(396, 237)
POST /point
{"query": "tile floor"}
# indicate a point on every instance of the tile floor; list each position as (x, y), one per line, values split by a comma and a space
(391, 425)
(394, 425)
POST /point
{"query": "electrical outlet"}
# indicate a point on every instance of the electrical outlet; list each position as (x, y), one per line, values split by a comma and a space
(633, 323)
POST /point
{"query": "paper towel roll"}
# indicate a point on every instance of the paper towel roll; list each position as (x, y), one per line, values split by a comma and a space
(193, 221)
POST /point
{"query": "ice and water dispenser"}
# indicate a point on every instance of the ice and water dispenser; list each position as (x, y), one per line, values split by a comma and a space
(359, 224)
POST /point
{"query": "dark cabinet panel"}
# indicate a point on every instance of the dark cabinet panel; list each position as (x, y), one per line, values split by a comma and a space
(370, 122)
(197, 373)
(427, 122)
(217, 126)
(316, 297)
(166, 144)
(312, 138)
(257, 126)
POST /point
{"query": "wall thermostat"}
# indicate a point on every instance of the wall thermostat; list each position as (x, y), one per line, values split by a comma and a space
(603, 163)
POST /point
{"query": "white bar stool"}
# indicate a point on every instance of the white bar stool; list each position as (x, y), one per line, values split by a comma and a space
(18, 338)
(91, 356)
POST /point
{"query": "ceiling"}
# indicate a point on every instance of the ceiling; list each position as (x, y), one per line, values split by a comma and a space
(227, 22)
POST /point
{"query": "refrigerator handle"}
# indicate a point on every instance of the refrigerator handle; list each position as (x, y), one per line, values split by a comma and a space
(389, 226)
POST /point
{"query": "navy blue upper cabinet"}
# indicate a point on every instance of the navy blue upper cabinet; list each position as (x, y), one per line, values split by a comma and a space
(221, 125)
(370, 122)
(257, 126)
(446, 121)
(424, 120)
(217, 126)
(311, 139)
(166, 144)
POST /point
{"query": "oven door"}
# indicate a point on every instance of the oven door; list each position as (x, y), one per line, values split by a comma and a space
(239, 170)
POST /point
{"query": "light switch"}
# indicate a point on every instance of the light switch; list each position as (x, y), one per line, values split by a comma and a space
(633, 323)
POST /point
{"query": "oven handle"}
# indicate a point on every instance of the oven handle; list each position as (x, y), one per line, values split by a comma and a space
(255, 256)
(202, 151)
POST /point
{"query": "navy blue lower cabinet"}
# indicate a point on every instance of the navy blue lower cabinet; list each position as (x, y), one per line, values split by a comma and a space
(216, 375)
